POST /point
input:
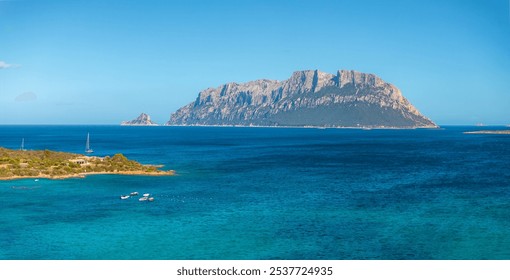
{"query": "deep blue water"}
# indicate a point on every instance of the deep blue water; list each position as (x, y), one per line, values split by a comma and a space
(265, 193)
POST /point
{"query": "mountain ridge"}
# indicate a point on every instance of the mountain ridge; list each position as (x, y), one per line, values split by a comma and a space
(308, 98)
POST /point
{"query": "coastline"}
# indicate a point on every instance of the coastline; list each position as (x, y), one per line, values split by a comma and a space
(498, 132)
(241, 126)
(36, 164)
(308, 126)
(122, 124)
(85, 174)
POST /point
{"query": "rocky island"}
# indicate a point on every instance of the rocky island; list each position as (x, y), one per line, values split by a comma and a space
(142, 120)
(307, 99)
(19, 164)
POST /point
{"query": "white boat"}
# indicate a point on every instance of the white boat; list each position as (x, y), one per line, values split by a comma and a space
(36, 180)
(133, 194)
(124, 196)
(143, 198)
(151, 199)
(146, 194)
(88, 150)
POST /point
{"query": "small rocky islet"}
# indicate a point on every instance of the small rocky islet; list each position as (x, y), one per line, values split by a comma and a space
(142, 120)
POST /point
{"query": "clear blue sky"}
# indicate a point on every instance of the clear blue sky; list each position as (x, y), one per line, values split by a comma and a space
(104, 61)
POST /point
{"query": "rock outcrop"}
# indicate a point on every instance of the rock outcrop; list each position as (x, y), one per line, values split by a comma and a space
(307, 98)
(143, 119)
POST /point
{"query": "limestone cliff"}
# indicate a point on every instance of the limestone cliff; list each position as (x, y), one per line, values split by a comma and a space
(307, 98)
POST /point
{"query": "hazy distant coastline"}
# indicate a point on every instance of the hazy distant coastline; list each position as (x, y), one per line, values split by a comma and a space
(488, 132)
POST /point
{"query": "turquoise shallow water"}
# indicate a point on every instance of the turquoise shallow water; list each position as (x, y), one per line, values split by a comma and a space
(266, 193)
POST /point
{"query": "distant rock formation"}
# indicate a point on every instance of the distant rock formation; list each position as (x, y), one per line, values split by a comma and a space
(143, 119)
(307, 98)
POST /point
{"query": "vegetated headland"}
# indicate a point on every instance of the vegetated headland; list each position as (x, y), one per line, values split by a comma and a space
(20, 164)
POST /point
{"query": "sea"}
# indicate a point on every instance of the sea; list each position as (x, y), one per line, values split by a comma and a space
(265, 193)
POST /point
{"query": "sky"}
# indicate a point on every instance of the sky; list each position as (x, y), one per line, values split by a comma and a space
(105, 61)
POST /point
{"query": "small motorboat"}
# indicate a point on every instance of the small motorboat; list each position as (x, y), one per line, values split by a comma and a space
(146, 194)
(133, 194)
(143, 198)
(151, 199)
(124, 196)
(37, 180)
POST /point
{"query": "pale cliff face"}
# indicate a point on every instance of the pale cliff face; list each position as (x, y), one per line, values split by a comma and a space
(313, 98)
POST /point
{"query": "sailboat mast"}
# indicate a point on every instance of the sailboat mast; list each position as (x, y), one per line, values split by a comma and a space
(87, 145)
(88, 150)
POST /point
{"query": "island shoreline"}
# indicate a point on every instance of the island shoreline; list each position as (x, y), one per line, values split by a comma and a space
(311, 127)
(85, 174)
(493, 132)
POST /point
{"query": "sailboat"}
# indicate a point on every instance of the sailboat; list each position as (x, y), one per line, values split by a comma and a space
(88, 150)
(22, 148)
